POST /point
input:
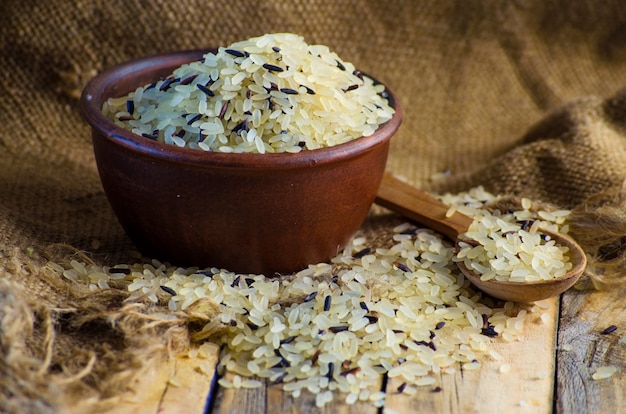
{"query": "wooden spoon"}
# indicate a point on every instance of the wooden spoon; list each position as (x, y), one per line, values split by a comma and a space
(421, 207)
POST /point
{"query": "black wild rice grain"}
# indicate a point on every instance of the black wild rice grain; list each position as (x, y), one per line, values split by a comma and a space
(372, 319)
(327, 302)
(351, 88)
(242, 126)
(273, 68)
(125, 118)
(310, 297)
(362, 253)
(235, 53)
(440, 325)
(437, 389)
(358, 74)
(205, 90)
(119, 270)
(337, 329)
(276, 49)
(402, 267)
(340, 65)
(130, 106)
(224, 109)
(331, 369)
(289, 91)
(168, 290)
(194, 119)
(526, 224)
(401, 387)
(154, 136)
(252, 326)
(188, 80)
(287, 340)
(236, 281)
(363, 306)
(166, 84)
(489, 331)
(309, 90)
(610, 329)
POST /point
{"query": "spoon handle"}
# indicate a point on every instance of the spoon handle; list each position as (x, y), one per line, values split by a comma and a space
(421, 207)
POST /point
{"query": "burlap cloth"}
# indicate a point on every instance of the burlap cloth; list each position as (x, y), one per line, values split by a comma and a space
(521, 97)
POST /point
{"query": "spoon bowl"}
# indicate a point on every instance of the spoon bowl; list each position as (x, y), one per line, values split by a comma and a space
(421, 207)
(536, 290)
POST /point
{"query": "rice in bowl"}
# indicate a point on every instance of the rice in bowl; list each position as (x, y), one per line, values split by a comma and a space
(268, 94)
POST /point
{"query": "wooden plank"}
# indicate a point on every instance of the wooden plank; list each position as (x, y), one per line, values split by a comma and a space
(179, 385)
(272, 399)
(582, 348)
(526, 388)
(243, 400)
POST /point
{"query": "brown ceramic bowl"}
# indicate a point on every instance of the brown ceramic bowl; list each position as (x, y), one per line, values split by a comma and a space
(253, 213)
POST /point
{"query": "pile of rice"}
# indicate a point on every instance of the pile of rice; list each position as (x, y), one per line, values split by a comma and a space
(268, 94)
(402, 310)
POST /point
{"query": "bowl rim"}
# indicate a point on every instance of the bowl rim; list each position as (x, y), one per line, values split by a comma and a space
(93, 96)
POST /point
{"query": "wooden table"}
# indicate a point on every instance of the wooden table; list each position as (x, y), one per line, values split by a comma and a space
(551, 369)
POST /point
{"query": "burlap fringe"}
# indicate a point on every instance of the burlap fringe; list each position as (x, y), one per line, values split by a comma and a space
(599, 226)
(86, 355)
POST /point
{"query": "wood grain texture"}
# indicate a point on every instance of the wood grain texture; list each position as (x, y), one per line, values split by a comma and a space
(550, 371)
(526, 388)
(178, 386)
(272, 399)
(582, 348)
